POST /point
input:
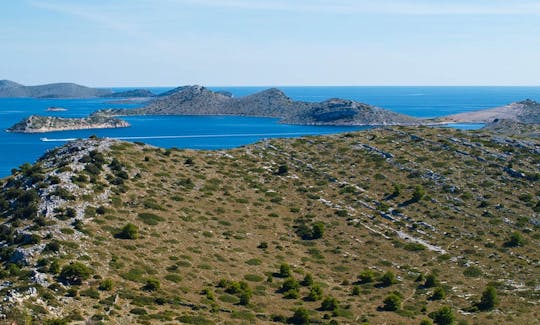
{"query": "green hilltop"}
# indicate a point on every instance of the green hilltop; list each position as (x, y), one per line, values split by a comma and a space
(391, 225)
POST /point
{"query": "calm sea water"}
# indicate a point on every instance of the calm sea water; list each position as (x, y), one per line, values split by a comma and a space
(228, 131)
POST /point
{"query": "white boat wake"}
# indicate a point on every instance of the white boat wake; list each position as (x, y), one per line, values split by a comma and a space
(232, 135)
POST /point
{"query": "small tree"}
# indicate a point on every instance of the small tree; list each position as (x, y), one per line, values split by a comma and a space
(282, 170)
(330, 304)
(355, 290)
(366, 276)
(489, 299)
(284, 270)
(75, 273)
(152, 284)
(443, 316)
(392, 302)
(315, 293)
(289, 284)
(308, 280)
(106, 285)
(300, 317)
(438, 294)
(318, 230)
(431, 281)
(244, 298)
(388, 279)
(515, 240)
(418, 193)
(129, 231)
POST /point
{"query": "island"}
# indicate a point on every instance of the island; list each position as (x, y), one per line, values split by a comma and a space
(199, 100)
(41, 124)
(12, 89)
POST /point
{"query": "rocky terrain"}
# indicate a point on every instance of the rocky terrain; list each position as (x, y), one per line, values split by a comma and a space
(56, 90)
(198, 100)
(391, 225)
(526, 112)
(41, 124)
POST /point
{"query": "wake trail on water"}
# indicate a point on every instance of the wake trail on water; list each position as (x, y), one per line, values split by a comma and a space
(192, 136)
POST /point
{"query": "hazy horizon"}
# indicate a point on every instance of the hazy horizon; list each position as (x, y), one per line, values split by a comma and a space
(140, 43)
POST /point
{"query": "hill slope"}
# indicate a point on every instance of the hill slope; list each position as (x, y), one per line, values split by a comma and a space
(127, 233)
(198, 100)
(55, 90)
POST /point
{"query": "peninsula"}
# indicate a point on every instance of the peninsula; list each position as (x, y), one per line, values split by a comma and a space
(41, 124)
(526, 111)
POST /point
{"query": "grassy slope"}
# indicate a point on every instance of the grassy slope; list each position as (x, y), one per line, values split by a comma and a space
(216, 210)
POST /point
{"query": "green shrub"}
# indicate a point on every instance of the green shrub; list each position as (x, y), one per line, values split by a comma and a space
(438, 294)
(431, 281)
(392, 302)
(300, 317)
(329, 304)
(284, 270)
(152, 284)
(515, 240)
(366, 276)
(443, 316)
(308, 280)
(315, 293)
(106, 285)
(472, 272)
(489, 299)
(129, 231)
(150, 218)
(388, 279)
(75, 273)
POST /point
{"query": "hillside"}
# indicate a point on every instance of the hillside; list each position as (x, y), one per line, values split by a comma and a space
(41, 124)
(526, 112)
(198, 100)
(342, 228)
(56, 90)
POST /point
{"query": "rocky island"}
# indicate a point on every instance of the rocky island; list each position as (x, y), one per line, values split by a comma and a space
(198, 100)
(41, 124)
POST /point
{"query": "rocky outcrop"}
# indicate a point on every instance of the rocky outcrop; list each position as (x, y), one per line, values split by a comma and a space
(198, 100)
(41, 124)
(56, 90)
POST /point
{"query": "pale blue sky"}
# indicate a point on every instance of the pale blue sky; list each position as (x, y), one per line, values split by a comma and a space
(271, 42)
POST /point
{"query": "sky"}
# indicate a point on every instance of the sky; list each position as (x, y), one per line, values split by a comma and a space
(110, 43)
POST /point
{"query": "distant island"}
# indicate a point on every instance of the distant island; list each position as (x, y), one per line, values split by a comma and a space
(41, 124)
(198, 100)
(11, 89)
(55, 90)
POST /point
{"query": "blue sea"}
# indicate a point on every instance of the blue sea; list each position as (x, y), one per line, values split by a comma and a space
(217, 132)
